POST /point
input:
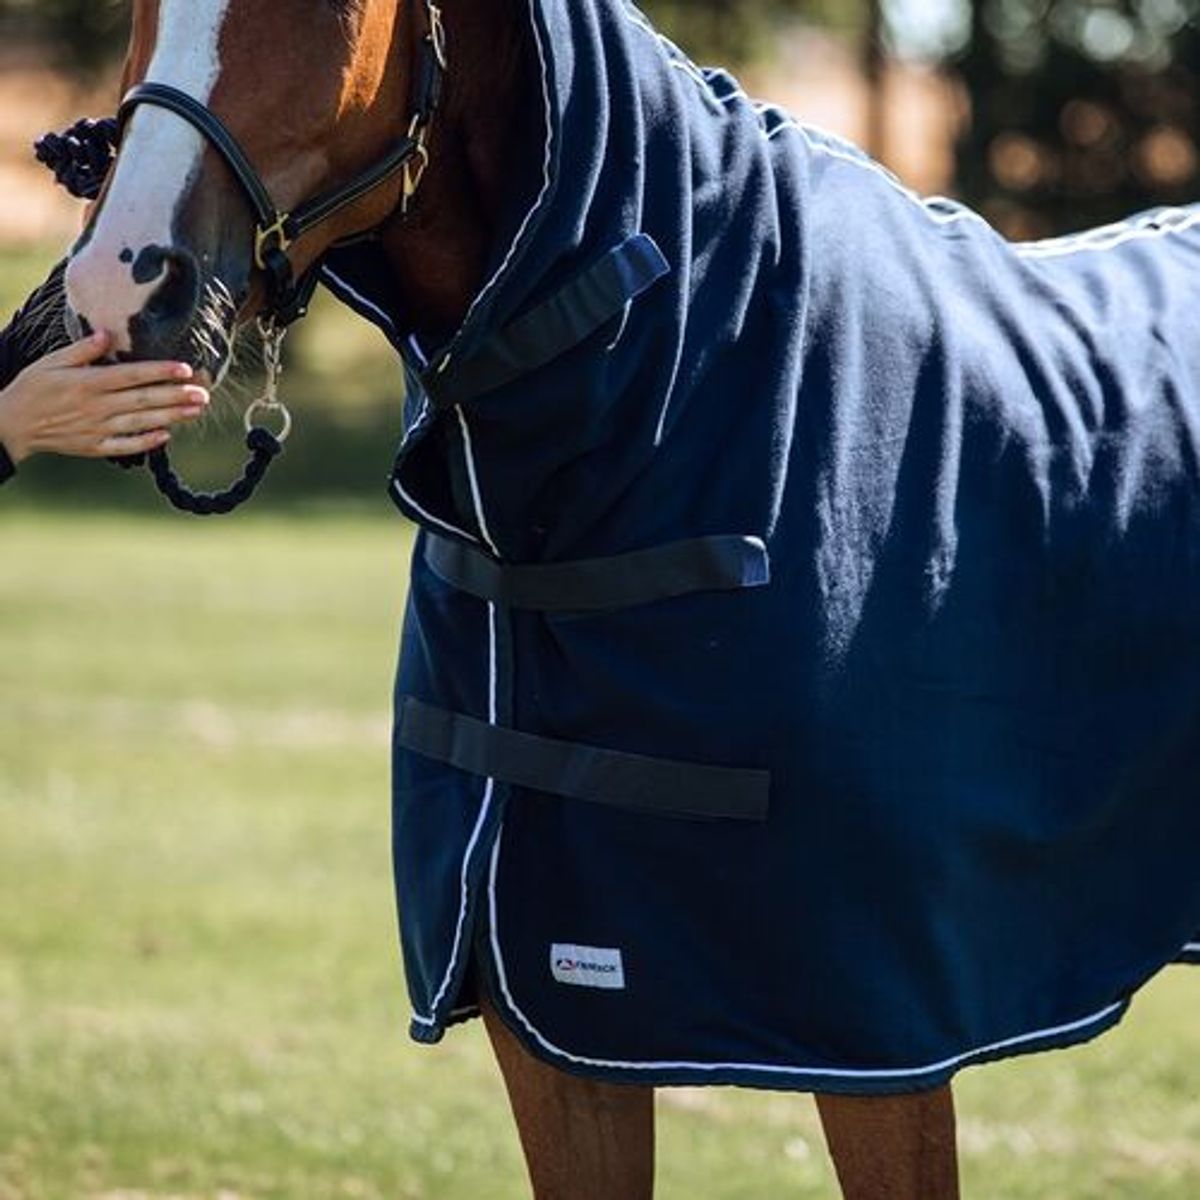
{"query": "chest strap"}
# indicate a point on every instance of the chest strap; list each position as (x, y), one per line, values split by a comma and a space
(709, 564)
(652, 786)
(569, 317)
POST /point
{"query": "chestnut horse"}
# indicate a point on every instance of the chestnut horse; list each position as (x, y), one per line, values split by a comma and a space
(316, 93)
(170, 249)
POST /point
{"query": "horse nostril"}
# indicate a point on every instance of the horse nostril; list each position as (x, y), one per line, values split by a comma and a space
(178, 294)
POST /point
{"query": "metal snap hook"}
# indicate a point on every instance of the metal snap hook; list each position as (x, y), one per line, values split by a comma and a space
(269, 402)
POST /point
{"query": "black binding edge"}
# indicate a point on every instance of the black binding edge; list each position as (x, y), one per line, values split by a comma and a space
(708, 564)
(613, 778)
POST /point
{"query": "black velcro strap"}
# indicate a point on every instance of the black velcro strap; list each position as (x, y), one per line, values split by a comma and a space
(711, 564)
(656, 786)
(555, 326)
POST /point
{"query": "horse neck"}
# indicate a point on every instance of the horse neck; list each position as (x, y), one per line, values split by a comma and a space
(439, 252)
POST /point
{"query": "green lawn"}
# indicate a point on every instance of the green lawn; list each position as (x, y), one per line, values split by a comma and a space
(199, 987)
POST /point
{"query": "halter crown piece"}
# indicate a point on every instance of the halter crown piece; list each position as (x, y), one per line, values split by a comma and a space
(82, 156)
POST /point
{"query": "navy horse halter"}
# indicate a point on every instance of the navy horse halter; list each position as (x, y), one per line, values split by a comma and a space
(81, 158)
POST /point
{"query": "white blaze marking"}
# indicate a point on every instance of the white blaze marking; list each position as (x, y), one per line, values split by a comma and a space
(159, 159)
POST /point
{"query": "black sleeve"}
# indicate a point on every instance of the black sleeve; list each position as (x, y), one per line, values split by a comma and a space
(35, 330)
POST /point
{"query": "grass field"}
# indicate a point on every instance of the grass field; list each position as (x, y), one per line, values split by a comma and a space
(199, 989)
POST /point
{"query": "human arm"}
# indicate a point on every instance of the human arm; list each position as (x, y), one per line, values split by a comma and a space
(63, 403)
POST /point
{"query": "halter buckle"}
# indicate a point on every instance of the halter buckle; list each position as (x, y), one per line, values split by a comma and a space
(415, 168)
(273, 236)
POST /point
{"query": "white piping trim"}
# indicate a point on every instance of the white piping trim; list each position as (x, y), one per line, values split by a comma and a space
(675, 57)
(398, 488)
(661, 428)
(762, 1068)
(1191, 948)
(477, 499)
(487, 288)
(417, 425)
(546, 161)
(415, 349)
(1145, 227)
(350, 295)
(464, 898)
(484, 811)
(620, 329)
(489, 788)
(1148, 227)
(857, 159)
(340, 284)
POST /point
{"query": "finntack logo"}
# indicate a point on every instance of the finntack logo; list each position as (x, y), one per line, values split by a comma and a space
(576, 964)
(587, 966)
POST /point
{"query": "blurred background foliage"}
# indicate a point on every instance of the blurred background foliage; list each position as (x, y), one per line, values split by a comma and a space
(1080, 111)
(1058, 115)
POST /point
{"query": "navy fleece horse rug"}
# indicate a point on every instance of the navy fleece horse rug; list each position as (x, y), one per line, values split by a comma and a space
(800, 685)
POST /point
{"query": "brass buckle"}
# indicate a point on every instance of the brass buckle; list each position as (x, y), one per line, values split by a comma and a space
(274, 232)
(415, 168)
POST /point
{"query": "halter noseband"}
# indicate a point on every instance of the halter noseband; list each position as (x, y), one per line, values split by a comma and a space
(275, 231)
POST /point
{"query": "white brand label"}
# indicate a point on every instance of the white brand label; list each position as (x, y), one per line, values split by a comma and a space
(587, 966)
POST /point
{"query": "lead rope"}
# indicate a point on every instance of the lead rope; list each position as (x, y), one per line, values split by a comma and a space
(81, 156)
(264, 446)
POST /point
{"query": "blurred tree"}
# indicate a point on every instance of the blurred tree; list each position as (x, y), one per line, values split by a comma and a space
(86, 34)
(1082, 112)
(91, 33)
(736, 31)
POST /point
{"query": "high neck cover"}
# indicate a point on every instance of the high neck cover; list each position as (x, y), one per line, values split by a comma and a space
(801, 676)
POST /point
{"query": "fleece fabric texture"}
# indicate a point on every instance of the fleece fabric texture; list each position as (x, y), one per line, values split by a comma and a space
(973, 677)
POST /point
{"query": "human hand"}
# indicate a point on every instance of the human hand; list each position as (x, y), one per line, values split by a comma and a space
(65, 404)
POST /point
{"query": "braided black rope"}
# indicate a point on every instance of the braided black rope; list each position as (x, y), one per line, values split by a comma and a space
(81, 156)
(264, 447)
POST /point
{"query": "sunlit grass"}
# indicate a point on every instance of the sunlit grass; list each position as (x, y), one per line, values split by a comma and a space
(199, 987)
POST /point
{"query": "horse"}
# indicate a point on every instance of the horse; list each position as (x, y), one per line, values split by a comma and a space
(798, 686)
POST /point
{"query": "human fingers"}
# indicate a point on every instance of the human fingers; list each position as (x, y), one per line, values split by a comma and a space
(151, 396)
(121, 377)
(143, 421)
(119, 447)
(78, 354)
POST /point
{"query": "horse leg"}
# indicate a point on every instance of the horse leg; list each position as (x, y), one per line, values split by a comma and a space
(583, 1140)
(893, 1147)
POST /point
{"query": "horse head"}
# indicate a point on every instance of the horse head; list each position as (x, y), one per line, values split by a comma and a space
(313, 91)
